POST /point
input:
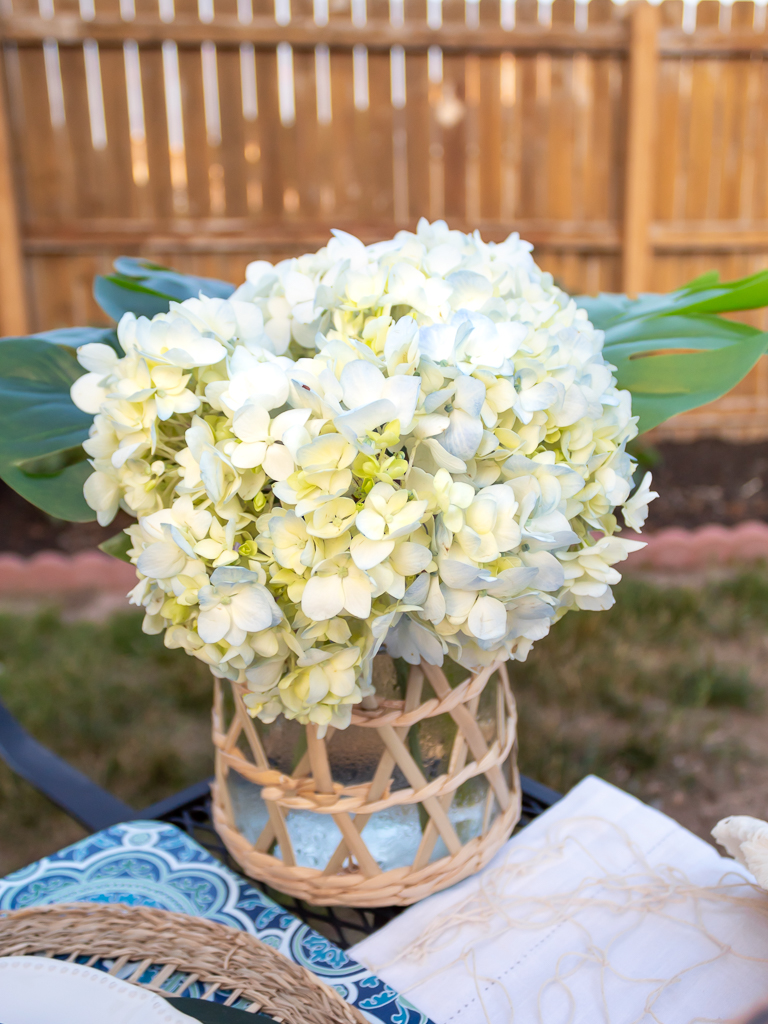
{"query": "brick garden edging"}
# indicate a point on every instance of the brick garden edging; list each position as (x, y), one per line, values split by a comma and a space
(54, 572)
(676, 549)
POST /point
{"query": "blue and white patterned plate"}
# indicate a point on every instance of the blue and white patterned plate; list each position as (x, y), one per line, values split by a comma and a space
(152, 864)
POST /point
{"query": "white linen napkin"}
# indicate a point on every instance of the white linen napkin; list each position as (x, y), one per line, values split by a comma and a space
(601, 910)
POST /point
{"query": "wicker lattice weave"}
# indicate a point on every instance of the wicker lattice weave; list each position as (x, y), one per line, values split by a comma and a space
(352, 877)
(206, 951)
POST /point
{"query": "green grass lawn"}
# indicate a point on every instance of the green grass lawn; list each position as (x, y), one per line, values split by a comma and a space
(665, 695)
(131, 714)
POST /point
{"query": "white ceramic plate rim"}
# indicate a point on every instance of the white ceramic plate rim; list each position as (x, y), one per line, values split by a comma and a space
(32, 988)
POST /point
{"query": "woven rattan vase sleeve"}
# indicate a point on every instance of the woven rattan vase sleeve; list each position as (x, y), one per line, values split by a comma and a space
(352, 876)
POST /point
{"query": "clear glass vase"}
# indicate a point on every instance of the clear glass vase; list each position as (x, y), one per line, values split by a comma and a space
(393, 836)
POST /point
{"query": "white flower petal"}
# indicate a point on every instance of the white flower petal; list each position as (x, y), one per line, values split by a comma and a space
(87, 392)
(510, 582)
(470, 395)
(539, 396)
(253, 609)
(443, 458)
(213, 624)
(357, 595)
(250, 321)
(403, 392)
(362, 382)
(370, 524)
(249, 455)
(368, 553)
(549, 571)
(251, 422)
(97, 358)
(755, 853)
(101, 492)
(287, 420)
(463, 436)
(265, 674)
(481, 514)
(418, 591)
(323, 598)
(470, 290)
(488, 619)
(461, 576)
(161, 560)
(358, 422)
(434, 607)
(436, 342)
(409, 559)
(412, 642)
(458, 603)
(278, 330)
(278, 462)
(260, 272)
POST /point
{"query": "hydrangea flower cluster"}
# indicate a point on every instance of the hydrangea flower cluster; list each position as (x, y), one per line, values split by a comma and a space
(415, 444)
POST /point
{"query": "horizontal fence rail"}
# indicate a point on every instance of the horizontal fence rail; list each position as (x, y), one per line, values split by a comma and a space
(629, 144)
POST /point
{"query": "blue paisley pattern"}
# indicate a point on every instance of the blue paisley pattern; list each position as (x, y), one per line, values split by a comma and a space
(152, 864)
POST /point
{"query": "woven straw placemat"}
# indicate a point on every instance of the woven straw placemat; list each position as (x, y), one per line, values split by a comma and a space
(220, 957)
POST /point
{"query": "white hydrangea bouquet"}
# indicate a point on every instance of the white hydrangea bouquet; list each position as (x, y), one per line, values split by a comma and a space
(416, 446)
(437, 474)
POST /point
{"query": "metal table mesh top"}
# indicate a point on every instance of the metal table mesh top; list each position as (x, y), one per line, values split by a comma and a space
(342, 925)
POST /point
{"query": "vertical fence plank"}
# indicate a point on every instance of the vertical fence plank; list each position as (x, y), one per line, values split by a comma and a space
(638, 194)
(450, 113)
(14, 317)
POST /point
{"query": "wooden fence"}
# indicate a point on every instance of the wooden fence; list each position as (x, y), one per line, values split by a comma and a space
(630, 144)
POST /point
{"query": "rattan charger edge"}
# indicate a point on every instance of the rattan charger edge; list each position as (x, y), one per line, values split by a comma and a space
(214, 954)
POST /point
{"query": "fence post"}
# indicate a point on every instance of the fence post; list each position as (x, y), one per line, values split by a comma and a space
(14, 317)
(641, 116)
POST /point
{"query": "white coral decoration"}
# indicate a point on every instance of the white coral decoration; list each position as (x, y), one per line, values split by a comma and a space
(416, 443)
(746, 839)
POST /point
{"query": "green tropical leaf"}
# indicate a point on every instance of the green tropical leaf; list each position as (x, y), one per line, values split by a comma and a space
(604, 309)
(118, 546)
(36, 360)
(706, 294)
(74, 337)
(118, 295)
(665, 384)
(41, 430)
(671, 351)
(691, 330)
(146, 288)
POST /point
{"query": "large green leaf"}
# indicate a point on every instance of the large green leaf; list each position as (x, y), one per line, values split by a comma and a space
(707, 294)
(41, 430)
(74, 337)
(665, 384)
(118, 546)
(671, 351)
(691, 329)
(146, 288)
